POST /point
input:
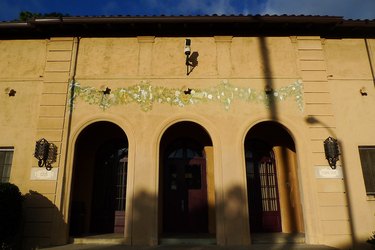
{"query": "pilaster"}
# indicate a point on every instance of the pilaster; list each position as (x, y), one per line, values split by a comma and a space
(145, 55)
(223, 55)
(47, 229)
(331, 201)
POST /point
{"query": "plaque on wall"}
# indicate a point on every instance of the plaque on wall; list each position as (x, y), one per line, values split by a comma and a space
(326, 172)
(43, 174)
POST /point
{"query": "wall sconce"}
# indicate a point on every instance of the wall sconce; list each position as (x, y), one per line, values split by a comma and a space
(46, 153)
(331, 150)
(191, 58)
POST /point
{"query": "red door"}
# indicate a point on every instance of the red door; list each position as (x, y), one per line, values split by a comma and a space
(271, 220)
(185, 192)
(263, 195)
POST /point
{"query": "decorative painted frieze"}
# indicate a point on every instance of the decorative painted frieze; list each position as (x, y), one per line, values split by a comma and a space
(145, 95)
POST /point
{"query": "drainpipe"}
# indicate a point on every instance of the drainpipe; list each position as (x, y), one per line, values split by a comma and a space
(370, 58)
(64, 208)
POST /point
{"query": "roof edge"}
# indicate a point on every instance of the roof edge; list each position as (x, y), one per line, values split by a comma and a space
(188, 25)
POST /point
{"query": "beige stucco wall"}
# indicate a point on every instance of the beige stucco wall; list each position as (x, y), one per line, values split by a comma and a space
(355, 117)
(332, 71)
(21, 69)
(28, 67)
(167, 69)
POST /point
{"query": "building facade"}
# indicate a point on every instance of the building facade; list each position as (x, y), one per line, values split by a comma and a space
(226, 141)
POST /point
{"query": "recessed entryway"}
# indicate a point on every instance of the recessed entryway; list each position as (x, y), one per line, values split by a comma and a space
(272, 181)
(99, 181)
(186, 188)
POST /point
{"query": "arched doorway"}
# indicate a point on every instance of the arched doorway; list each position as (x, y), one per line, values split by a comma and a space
(186, 181)
(272, 182)
(99, 180)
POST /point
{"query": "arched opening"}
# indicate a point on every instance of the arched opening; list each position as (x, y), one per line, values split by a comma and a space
(99, 181)
(272, 181)
(186, 181)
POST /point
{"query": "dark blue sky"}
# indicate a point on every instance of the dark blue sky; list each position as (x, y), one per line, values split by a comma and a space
(350, 9)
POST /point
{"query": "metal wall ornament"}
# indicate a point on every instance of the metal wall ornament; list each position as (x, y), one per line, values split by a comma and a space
(332, 152)
(46, 153)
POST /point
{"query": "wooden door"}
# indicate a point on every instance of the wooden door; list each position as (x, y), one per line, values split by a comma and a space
(271, 218)
(196, 183)
(263, 195)
(109, 190)
(103, 202)
(185, 192)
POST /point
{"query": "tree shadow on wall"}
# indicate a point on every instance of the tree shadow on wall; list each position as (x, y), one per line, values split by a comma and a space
(43, 224)
(274, 115)
(142, 226)
(357, 243)
(233, 214)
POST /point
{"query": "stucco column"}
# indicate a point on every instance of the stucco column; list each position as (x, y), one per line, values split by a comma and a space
(145, 188)
(234, 213)
(210, 188)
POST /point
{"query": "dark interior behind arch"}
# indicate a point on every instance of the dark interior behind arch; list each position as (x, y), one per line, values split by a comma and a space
(99, 180)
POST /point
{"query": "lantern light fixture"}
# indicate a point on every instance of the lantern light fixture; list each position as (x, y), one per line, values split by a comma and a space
(46, 153)
(332, 152)
(187, 49)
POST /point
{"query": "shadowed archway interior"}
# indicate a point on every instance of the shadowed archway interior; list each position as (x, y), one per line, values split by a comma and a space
(186, 181)
(272, 181)
(99, 180)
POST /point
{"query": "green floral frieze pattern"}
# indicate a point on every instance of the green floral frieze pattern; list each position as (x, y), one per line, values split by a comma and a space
(145, 95)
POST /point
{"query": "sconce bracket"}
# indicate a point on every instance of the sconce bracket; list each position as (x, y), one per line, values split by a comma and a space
(46, 153)
(332, 152)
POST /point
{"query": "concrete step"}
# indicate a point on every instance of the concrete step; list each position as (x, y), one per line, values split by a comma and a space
(112, 239)
(188, 240)
(277, 238)
(266, 238)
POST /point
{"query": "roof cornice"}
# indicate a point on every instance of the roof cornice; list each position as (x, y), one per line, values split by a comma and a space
(250, 25)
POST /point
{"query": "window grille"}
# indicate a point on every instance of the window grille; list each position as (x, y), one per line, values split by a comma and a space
(121, 184)
(367, 155)
(6, 157)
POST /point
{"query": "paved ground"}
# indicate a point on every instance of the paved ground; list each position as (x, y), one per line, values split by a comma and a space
(188, 247)
(277, 241)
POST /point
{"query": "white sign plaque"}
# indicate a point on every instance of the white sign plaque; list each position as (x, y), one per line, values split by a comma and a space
(43, 174)
(326, 172)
